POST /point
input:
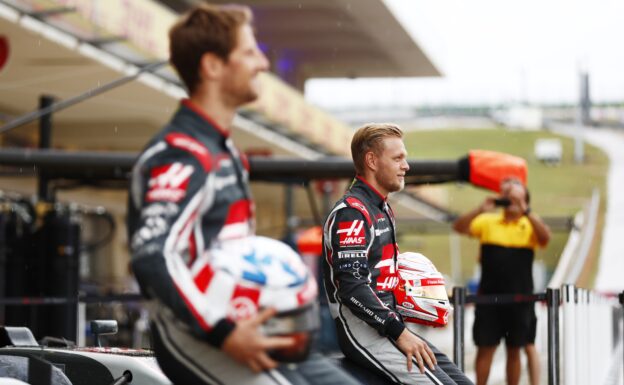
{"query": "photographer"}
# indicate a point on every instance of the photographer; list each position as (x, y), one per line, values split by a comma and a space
(508, 241)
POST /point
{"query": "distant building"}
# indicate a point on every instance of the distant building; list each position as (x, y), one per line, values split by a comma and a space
(521, 117)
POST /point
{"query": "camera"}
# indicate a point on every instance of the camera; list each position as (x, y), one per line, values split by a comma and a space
(502, 202)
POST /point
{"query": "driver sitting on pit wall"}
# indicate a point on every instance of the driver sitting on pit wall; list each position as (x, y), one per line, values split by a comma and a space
(359, 270)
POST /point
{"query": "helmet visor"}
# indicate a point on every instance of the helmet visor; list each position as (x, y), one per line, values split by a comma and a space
(297, 324)
(437, 292)
(303, 319)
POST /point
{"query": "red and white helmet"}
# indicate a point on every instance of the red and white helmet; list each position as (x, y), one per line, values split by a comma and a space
(421, 295)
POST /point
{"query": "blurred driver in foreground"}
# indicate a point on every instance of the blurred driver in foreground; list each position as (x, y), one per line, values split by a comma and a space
(190, 191)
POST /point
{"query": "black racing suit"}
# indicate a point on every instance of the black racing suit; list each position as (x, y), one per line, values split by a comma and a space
(190, 189)
(360, 252)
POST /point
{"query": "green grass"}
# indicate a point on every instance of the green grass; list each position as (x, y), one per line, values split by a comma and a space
(561, 190)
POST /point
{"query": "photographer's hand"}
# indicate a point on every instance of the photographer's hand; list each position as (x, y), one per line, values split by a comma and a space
(462, 224)
(488, 204)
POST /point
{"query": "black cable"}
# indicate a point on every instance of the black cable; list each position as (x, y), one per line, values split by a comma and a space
(108, 236)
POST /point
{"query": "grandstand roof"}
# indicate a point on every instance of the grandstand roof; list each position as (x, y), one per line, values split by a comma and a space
(337, 38)
(304, 39)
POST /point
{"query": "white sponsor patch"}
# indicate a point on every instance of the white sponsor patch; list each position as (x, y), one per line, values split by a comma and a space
(153, 228)
(351, 254)
(225, 162)
(379, 232)
(160, 210)
(223, 181)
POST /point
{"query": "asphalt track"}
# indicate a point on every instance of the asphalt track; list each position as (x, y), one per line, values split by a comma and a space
(611, 263)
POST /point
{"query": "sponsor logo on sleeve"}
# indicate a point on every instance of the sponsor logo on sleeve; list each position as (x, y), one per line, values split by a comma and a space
(351, 233)
(222, 182)
(367, 310)
(378, 232)
(169, 183)
(152, 228)
(165, 210)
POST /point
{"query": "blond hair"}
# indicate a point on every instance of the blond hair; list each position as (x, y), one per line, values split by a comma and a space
(370, 138)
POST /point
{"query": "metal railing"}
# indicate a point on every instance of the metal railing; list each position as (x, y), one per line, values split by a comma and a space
(583, 324)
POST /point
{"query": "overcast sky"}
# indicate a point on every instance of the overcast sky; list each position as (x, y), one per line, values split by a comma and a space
(497, 51)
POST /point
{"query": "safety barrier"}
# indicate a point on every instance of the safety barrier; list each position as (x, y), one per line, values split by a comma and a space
(590, 329)
(586, 326)
(579, 243)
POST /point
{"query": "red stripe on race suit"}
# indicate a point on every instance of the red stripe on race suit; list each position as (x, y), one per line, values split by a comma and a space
(190, 221)
(195, 108)
(239, 211)
(244, 160)
(198, 317)
(192, 249)
(189, 304)
(388, 277)
(203, 278)
(358, 205)
(187, 143)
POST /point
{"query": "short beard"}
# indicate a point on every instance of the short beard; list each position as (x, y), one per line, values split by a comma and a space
(396, 188)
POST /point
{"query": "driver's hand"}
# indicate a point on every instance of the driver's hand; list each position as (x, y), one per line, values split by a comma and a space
(248, 346)
(416, 348)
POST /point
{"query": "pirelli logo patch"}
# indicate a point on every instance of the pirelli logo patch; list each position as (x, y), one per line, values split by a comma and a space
(351, 254)
(352, 233)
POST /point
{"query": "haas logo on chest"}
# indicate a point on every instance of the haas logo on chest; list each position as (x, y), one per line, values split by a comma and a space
(351, 233)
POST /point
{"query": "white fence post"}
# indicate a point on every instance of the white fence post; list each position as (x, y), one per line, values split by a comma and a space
(569, 329)
(581, 335)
